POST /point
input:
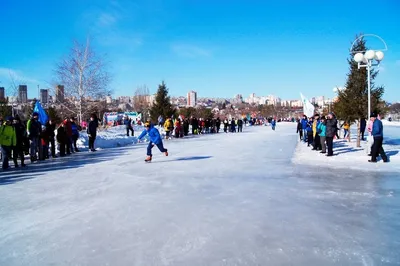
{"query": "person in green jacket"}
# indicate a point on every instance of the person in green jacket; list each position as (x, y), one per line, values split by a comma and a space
(321, 130)
(8, 140)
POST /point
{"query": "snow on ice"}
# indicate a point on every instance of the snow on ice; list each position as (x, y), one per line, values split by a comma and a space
(221, 199)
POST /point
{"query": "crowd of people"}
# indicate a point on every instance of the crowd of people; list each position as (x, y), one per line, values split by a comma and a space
(19, 139)
(318, 132)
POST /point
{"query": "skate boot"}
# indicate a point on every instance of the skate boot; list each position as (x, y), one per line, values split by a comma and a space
(148, 159)
(166, 153)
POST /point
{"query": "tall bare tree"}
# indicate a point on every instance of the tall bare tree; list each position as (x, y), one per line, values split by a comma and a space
(84, 76)
(141, 101)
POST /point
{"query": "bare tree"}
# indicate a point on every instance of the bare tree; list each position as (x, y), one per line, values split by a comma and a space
(84, 76)
(141, 101)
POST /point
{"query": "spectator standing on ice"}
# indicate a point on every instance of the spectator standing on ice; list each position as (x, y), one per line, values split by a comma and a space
(299, 129)
(316, 139)
(128, 126)
(168, 127)
(34, 128)
(321, 130)
(155, 139)
(50, 128)
(273, 124)
(309, 132)
(92, 131)
(62, 139)
(331, 129)
(240, 125)
(363, 125)
(20, 133)
(75, 134)
(304, 122)
(218, 124)
(377, 133)
(8, 140)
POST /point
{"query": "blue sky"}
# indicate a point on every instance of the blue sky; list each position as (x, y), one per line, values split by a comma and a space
(217, 48)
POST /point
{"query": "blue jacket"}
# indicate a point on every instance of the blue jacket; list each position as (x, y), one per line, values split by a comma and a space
(304, 123)
(273, 123)
(153, 134)
(321, 128)
(75, 130)
(309, 127)
(377, 128)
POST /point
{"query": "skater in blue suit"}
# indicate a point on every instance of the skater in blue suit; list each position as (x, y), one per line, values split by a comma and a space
(155, 139)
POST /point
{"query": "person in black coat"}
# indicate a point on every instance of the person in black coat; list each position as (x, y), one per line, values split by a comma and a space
(218, 124)
(92, 131)
(185, 127)
(21, 136)
(331, 129)
(62, 138)
(363, 125)
(240, 125)
(50, 128)
(300, 129)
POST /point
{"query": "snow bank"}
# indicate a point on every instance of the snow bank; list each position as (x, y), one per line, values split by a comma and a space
(390, 123)
(347, 155)
(111, 137)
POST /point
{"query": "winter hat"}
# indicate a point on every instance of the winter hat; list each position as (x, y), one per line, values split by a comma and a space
(9, 118)
(373, 115)
(35, 114)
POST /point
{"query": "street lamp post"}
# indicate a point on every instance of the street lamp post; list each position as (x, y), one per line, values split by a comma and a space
(368, 59)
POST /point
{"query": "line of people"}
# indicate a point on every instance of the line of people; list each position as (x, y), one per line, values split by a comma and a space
(319, 133)
(18, 139)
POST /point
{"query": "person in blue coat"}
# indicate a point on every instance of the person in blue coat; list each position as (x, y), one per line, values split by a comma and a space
(273, 124)
(155, 139)
(304, 122)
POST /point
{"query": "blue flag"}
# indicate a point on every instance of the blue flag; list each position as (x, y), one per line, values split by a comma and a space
(42, 113)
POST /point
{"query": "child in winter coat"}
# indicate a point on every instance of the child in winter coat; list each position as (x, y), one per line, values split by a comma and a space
(155, 139)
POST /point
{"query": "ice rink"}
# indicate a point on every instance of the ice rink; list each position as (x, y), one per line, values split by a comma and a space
(223, 199)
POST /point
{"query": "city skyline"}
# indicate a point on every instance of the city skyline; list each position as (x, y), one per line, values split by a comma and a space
(263, 48)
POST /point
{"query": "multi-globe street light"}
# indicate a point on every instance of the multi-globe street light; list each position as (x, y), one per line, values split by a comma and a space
(368, 59)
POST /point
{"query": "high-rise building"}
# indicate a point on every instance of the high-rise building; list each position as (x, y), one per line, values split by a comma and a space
(44, 96)
(60, 94)
(192, 98)
(22, 94)
(2, 93)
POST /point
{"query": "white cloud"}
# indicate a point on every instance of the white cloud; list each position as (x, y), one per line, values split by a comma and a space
(7, 75)
(106, 19)
(190, 51)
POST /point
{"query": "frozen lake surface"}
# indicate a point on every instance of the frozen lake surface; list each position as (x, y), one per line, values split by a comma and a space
(225, 199)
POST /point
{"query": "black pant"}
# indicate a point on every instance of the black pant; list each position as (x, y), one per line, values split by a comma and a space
(62, 148)
(300, 134)
(317, 142)
(74, 140)
(362, 134)
(129, 129)
(377, 149)
(68, 144)
(309, 137)
(53, 147)
(240, 128)
(329, 143)
(18, 151)
(91, 142)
